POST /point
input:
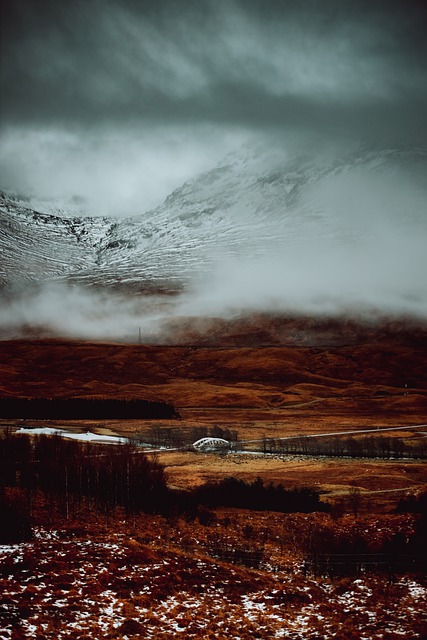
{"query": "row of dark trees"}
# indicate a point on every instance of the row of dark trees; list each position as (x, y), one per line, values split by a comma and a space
(333, 551)
(84, 409)
(75, 476)
(232, 492)
(385, 447)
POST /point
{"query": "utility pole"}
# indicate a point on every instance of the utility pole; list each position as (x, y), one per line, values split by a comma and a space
(139, 336)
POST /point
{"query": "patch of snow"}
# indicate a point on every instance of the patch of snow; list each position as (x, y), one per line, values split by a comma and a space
(84, 437)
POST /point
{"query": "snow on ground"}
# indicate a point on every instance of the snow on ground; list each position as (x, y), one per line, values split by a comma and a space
(85, 437)
(59, 587)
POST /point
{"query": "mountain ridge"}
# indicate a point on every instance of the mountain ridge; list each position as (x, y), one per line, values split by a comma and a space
(256, 207)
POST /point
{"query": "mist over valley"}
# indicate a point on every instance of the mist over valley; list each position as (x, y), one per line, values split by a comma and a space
(265, 230)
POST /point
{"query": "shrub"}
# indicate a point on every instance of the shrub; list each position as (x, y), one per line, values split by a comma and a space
(232, 492)
(131, 627)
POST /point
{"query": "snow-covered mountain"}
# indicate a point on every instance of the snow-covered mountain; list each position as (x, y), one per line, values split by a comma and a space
(253, 204)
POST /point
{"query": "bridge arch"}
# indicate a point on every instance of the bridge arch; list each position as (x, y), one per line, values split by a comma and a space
(211, 444)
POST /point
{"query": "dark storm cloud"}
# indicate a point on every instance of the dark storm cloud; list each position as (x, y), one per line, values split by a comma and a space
(119, 102)
(358, 68)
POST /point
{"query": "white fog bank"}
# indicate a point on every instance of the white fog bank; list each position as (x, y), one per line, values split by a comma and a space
(260, 232)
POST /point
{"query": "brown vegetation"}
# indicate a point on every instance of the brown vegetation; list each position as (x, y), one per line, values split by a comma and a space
(223, 572)
(282, 373)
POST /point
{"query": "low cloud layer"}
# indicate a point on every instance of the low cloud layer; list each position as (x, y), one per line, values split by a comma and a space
(356, 245)
(352, 244)
(76, 312)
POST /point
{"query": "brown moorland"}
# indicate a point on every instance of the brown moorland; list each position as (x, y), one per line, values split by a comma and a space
(229, 572)
(260, 376)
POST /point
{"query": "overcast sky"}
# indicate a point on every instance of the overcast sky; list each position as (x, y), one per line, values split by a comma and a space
(121, 101)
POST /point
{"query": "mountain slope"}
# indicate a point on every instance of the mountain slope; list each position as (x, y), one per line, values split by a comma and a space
(36, 246)
(251, 206)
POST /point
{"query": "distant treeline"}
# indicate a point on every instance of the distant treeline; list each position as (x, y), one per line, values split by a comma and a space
(371, 446)
(232, 492)
(84, 409)
(386, 447)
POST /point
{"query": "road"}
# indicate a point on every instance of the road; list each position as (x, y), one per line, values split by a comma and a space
(339, 433)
